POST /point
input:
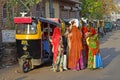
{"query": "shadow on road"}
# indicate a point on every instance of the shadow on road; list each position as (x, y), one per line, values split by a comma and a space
(106, 37)
(45, 64)
(108, 54)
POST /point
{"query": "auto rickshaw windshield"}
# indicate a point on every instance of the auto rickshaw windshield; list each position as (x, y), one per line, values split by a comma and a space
(26, 28)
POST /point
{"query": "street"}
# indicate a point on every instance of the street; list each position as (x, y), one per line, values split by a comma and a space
(110, 52)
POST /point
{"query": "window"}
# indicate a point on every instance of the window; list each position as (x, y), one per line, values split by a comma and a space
(27, 28)
(4, 11)
(37, 10)
(43, 12)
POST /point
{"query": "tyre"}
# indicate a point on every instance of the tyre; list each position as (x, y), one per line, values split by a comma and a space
(26, 67)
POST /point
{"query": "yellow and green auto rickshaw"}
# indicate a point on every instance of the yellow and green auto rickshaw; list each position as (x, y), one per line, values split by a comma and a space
(33, 47)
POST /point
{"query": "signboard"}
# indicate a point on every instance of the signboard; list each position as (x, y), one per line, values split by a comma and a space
(22, 20)
(8, 35)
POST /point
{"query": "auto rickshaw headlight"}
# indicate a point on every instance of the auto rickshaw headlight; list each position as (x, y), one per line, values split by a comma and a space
(25, 48)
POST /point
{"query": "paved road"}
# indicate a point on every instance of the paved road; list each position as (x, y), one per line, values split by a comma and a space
(110, 52)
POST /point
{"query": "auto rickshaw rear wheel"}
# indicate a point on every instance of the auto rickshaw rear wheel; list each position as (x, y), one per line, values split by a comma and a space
(26, 67)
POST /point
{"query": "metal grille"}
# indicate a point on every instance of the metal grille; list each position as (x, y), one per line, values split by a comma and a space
(22, 7)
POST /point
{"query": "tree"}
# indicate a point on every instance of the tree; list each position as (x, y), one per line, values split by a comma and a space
(92, 9)
(108, 6)
(97, 10)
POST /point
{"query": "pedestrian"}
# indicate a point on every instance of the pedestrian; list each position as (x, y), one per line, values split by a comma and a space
(75, 46)
(100, 30)
(65, 43)
(94, 58)
(59, 61)
(55, 44)
(84, 30)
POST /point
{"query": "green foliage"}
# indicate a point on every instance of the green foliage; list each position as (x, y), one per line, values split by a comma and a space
(92, 9)
(23, 4)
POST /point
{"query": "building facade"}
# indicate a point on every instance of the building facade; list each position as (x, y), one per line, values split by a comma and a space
(64, 9)
(57, 8)
(60, 9)
(2, 11)
(116, 14)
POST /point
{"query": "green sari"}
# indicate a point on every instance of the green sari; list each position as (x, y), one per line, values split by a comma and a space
(93, 46)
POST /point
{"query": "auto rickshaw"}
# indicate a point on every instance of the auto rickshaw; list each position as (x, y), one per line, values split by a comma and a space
(33, 47)
(108, 26)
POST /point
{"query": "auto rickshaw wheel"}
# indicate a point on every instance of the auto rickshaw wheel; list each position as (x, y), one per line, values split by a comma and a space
(26, 66)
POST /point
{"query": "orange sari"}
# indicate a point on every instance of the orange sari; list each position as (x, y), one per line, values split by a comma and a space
(75, 47)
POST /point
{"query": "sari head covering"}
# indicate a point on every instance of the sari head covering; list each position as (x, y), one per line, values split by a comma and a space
(76, 22)
(93, 31)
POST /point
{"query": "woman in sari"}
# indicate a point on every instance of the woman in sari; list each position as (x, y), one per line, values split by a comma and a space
(55, 44)
(60, 56)
(84, 30)
(75, 61)
(94, 58)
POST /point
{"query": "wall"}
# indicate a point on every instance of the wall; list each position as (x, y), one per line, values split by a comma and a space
(2, 2)
(56, 9)
(66, 9)
(47, 9)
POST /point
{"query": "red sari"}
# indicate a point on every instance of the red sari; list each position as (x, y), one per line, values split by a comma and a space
(55, 42)
(84, 31)
(92, 31)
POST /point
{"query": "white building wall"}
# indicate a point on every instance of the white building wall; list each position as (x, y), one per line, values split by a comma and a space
(116, 15)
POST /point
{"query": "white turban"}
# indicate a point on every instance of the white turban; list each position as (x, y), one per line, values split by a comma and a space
(84, 20)
(76, 22)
